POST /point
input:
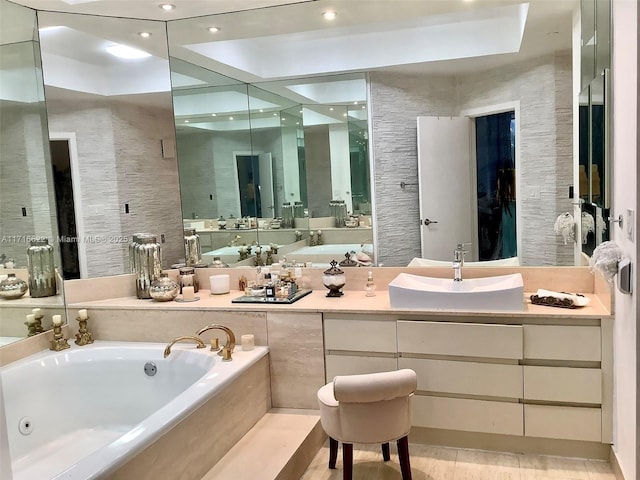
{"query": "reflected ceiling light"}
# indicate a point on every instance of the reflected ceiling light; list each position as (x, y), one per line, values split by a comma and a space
(275, 114)
(214, 29)
(261, 110)
(122, 51)
(344, 114)
(329, 15)
(186, 121)
(167, 6)
(144, 34)
(213, 114)
(355, 103)
(331, 109)
(230, 118)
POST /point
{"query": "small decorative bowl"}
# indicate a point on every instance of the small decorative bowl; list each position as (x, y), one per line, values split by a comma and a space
(164, 289)
(12, 287)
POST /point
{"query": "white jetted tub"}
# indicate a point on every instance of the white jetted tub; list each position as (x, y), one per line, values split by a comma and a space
(83, 412)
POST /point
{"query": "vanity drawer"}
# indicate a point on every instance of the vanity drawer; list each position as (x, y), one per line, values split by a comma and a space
(551, 342)
(562, 384)
(466, 378)
(360, 335)
(460, 339)
(467, 415)
(355, 365)
(567, 423)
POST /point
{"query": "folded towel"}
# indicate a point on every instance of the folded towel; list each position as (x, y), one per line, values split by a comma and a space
(559, 299)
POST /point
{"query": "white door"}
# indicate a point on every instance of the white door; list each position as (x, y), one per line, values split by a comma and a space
(266, 185)
(446, 186)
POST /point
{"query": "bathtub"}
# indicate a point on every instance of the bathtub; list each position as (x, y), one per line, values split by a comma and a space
(89, 410)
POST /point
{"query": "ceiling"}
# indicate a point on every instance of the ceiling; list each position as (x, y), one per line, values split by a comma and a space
(266, 39)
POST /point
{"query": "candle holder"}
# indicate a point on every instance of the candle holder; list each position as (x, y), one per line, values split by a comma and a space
(31, 329)
(58, 343)
(84, 336)
(37, 322)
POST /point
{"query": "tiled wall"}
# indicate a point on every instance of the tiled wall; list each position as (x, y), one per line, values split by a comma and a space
(543, 88)
(120, 160)
(25, 181)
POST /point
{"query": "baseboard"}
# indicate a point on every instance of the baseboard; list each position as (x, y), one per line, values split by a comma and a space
(510, 443)
(615, 466)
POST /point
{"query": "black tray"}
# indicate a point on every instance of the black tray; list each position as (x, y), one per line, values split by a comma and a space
(262, 299)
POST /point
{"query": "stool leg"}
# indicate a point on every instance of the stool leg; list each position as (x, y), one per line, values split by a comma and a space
(333, 452)
(403, 453)
(386, 456)
(347, 461)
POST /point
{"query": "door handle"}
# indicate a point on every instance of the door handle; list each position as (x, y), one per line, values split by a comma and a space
(428, 222)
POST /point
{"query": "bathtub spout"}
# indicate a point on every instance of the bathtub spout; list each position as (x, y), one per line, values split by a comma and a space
(226, 351)
(200, 343)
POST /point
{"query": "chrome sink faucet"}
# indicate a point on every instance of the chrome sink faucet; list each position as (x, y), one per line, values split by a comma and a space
(458, 261)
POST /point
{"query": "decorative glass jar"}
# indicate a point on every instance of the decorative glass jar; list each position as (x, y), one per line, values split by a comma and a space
(187, 278)
(12, 287)
(192, 250)
(334, 279)
(148, 263)
(41, 268)
(164, 289)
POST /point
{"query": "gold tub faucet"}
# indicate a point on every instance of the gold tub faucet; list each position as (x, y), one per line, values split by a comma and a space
(226, 351)
(200, 343)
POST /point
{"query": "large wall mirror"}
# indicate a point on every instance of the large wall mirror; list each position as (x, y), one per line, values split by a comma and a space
(109, 106)
(27, 202)
(136, 162)
(594, 124)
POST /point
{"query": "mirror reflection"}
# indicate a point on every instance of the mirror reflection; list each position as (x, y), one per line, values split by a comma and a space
(30, 279)
(110, 116)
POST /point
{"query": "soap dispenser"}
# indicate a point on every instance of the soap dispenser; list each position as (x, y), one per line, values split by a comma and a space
(370, 286)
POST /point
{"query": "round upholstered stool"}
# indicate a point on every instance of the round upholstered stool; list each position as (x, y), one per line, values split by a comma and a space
(369, 408)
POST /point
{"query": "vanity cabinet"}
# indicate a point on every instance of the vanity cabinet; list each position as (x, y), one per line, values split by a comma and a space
(532, 377)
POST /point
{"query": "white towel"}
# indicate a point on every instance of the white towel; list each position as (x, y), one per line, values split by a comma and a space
(578, 300)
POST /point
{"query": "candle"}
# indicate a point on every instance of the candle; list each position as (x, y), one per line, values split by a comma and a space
(188, 293)
(219, 284)
(83, 314)
(248, 342)
(31, 318)
(36, 312)
(57, 320)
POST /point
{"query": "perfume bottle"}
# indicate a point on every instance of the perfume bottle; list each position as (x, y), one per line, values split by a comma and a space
(370, 286)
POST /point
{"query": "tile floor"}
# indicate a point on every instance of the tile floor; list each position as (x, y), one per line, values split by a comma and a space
(441, 463)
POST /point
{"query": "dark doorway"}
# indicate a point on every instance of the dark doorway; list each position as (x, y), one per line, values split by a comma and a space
(249, 183)
(65, 208)
(496, 186)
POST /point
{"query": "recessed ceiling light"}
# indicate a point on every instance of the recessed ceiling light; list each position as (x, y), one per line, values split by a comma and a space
(261, 110)
(275, 114)
(122, 51)
(167, 6)
(214, 29)
(230, 118)
(213, 114)
(186, 121)
(355, 103)
(144, 34)
(329, 15)
(344, 114)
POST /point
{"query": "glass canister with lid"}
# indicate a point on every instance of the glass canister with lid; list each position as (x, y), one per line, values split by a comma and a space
(41, 269)
(148, 263)
(192, 249)
(187, 278)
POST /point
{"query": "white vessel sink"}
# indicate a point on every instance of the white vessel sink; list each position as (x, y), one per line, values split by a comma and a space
(504, 292)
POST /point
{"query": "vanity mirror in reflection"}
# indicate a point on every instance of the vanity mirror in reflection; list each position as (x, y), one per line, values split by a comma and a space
(110, 121)
(27, 203)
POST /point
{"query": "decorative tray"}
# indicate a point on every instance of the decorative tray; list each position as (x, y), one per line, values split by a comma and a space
(262, 299)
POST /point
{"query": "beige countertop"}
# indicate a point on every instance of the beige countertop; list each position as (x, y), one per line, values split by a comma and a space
(352, 302)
